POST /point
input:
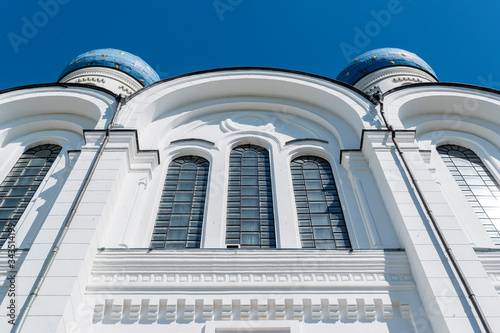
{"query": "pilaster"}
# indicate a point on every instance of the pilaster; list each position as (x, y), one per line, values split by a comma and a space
(59, 299)
(441, 293)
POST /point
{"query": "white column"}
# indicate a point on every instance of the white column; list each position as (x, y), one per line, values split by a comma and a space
(214, 229)
(285, 212)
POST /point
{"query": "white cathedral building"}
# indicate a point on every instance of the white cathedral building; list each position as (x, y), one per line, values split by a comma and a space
(250, 200)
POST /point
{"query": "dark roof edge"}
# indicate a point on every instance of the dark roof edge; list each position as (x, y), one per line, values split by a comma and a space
(444, 84)
(346, 85)
(57, 84)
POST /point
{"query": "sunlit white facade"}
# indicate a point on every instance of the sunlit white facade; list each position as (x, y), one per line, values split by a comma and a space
(250, 200)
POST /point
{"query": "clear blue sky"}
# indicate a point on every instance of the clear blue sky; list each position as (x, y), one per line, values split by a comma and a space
(459, 39)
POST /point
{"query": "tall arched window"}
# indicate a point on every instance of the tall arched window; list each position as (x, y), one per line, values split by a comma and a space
(180, 216)
(478, 185)
(321, 221)
(21, 183)
(250, 218)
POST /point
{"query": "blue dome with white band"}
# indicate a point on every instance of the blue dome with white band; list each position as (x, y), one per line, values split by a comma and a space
(112, 58)
(373, 60)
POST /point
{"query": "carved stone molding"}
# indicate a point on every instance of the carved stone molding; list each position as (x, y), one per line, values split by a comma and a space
(407, 78)
(90, 79)
(125, 90)
(491, 263)
(165, 311)
(385, 73)
(247, 121)
(315, 278)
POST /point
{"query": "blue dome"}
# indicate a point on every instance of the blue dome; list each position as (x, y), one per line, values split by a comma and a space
(124, 61)
(370, 61)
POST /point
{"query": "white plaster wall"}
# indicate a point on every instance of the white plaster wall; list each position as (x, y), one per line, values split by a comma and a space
(127, 287)
(269, 129)
(28, 118)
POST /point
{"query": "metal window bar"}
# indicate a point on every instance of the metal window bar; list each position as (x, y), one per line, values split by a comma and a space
(23, 180)
(477, 184)
(180, 215)
(320, 216)
(250, 217)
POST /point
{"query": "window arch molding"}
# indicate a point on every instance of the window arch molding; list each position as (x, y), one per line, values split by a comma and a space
(457, 200)
(185, 151)
(262, 139)
(319, 151)
(258, 138)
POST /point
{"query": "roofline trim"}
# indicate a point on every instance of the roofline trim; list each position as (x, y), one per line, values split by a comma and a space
(248, 68)
(443, 84)
(58, 84)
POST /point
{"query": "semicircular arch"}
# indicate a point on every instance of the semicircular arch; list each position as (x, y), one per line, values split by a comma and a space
(198, 92)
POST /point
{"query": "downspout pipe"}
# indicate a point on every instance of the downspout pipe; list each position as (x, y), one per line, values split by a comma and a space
(23, 314)
(377, 98)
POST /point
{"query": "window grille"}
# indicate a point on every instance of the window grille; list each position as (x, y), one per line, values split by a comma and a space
(477, 184)
(250, 218)
(180, 215)
(321, 221)
(18, 188)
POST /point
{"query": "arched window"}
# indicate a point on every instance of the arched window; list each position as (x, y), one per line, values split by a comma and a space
(321, 221)
(250, 218)
(180, 216)
(478, 185)
(21, 183)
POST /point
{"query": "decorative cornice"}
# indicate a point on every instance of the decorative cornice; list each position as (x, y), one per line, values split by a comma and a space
(124, 140)
(118, 272)
(408, 74)
(84, 74)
